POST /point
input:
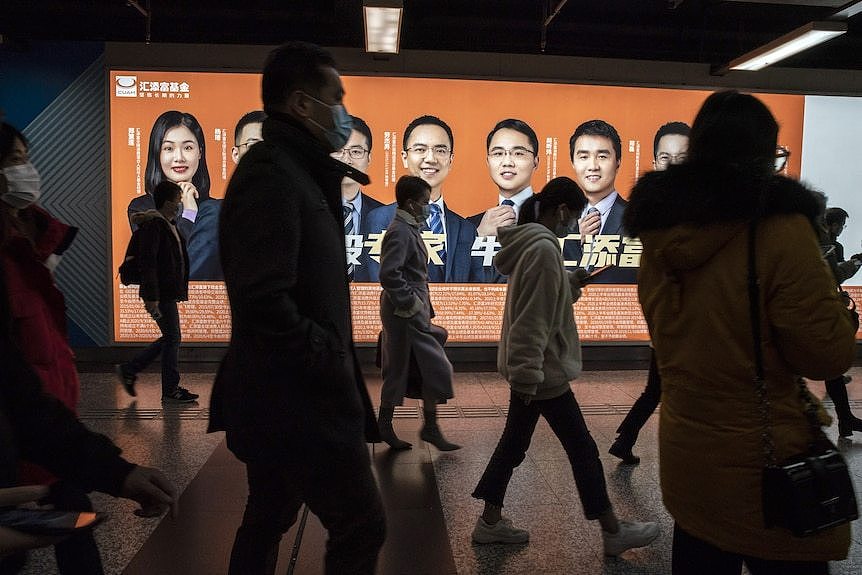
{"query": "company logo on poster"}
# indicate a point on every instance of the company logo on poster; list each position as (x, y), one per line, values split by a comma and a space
(160, 89)
(126, 87)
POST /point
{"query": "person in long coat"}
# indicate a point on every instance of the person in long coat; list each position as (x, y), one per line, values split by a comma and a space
(414, 363)
(693, 220)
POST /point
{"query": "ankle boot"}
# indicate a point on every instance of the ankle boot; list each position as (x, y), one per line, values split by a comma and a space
(622, 448)
(432, 434)
(846, 427)
(384, 422)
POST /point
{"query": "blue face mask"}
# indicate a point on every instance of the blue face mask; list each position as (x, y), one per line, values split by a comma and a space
(339, 133)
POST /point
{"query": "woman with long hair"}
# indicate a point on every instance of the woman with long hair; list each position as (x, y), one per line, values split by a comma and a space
(176, 152)
(695, 221)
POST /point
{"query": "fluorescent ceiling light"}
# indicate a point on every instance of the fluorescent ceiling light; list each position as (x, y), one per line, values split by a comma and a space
(382, 25)
(800, 39)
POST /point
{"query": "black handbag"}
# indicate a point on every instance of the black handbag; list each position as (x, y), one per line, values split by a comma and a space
(809, 492)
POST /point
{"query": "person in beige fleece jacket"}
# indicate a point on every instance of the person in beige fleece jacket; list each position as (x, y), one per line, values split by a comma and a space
(539, 353)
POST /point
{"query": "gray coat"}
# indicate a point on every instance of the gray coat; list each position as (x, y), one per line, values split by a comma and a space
(405, 310)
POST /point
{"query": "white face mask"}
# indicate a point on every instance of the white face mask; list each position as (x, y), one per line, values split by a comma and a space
(24, 185)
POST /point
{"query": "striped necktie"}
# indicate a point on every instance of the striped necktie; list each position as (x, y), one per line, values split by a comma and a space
(347, 212)
(435, 223)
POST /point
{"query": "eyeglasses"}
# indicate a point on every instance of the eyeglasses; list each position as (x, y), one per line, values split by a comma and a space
(355, 153)
(781, 156)
(440, 152)
(250, 142)
(518, 154)
(664, 159)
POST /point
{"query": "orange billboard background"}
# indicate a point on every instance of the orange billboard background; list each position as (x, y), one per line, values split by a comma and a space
(388, 104)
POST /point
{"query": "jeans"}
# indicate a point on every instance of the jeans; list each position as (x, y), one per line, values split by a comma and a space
(341, 491)
(564, 416)
(693, 556)
(168, 346)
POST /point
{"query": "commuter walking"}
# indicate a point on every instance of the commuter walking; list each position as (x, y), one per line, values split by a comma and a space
(539, 353)
(414, 363)
(289, 392)
(164, 267)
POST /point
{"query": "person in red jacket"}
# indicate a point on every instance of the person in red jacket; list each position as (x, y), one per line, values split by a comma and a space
(31, 243)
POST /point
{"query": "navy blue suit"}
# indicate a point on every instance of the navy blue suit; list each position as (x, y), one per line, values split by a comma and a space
(460, 266)
(204, 261)
(361, 273)
(573, 250)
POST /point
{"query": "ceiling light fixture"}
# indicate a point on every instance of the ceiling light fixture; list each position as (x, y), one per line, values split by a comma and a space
(802, 38)
(382, 25)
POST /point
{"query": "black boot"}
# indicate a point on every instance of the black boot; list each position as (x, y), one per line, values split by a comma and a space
(622, 448)
(847, 422)
(384, 422)
(432, 434)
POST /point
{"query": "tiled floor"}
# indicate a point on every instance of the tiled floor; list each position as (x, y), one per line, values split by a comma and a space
(427, 493)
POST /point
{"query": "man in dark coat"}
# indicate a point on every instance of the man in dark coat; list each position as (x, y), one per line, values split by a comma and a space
(289, 393)
(164, 265)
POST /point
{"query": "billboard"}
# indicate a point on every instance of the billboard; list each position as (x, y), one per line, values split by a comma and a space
(469, 305)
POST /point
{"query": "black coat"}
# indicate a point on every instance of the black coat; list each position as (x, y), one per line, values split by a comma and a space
(163, 259)
(290, 381)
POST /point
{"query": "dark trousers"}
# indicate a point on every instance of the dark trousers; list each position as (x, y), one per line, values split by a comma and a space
(837, 390)
(564, 416)
(341, 491)
(693, 556)
(643, 408)
(168, 346)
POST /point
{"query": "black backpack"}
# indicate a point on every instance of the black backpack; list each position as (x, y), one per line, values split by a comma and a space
(130, 269)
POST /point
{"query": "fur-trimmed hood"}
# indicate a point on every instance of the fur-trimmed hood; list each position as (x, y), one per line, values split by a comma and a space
(687, 195)
(692, 213)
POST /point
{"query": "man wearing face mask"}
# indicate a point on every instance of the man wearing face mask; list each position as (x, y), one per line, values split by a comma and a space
(406, 312)
(31, 239)
(289, 393)
(164, 264)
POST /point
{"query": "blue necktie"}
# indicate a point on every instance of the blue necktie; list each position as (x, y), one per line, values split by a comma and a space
(507, 202)
(436, 273)
(436, 225)
(347, 212)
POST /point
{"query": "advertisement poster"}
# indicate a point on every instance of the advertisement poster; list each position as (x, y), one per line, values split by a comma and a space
(142, 103)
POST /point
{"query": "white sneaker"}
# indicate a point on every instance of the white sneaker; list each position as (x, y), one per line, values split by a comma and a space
(500, 532)
(631, 534)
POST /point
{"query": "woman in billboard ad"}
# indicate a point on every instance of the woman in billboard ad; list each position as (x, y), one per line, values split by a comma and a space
(176, 152)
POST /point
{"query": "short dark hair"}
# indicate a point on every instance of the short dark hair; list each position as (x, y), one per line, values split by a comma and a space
(164, 191)
(360, 126)
(253, 117)
(410, 188)
(596, 128)
(153, 173)
(8, 135)
(291, 66)
(836, 216)
(560, 190)
(518, 126)
(421, 121)
(671, 128)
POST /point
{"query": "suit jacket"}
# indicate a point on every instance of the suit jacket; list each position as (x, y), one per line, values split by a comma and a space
(290, 381)
(460, 266)
(361, 273)
(145, 203)
(204, 262)
(573, 250)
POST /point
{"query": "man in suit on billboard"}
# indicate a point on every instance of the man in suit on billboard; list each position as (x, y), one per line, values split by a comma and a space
(595, 150)
(356, 204)
(428, 152)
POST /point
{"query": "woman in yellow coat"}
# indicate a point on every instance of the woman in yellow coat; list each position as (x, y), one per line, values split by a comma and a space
(693, 220)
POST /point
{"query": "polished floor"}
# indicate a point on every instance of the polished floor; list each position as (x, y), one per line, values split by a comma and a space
(426, 492)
